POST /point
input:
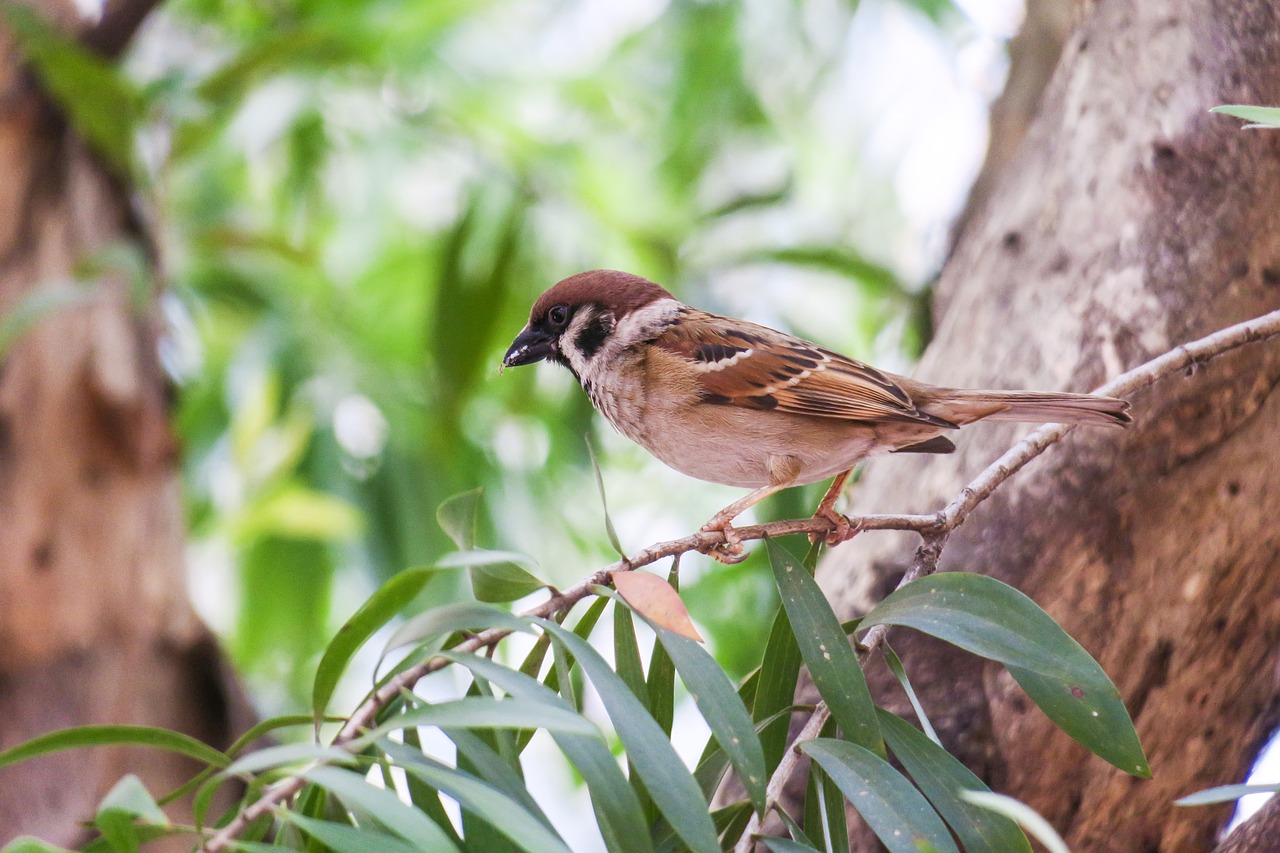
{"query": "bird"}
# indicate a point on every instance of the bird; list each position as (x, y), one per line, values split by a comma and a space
(736, 403)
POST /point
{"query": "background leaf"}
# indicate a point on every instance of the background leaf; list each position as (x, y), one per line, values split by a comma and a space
(895, 811)
(994, 620)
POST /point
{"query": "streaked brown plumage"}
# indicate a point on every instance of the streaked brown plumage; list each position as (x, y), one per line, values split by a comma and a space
(741, 404)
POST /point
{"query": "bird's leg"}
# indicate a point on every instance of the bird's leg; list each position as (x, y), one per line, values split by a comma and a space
(841, 529)
(730, 551)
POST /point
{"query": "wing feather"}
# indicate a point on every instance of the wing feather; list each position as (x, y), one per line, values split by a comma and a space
(742, 364)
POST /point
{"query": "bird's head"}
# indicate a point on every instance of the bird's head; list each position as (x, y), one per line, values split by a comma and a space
(574, 319)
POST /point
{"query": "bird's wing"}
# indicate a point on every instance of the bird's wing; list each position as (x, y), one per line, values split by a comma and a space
(741, 364)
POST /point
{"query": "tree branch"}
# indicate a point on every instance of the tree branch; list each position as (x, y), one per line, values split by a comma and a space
(934, 530)
(954, 514)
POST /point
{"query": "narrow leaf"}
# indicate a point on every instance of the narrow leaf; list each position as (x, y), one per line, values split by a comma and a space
(498, 583)
(776, 687)
(480, 712)
(665, 777)
(992, 619)
(491, 805)
(457, 517)
(617, 810)
(826, 650)
(1026, 817)
(1225, 794)
(390, 599)
(785, 845)
(1259, 117)
(900, 672)
(31, 844)
(132, 798)
(114, 736)
(342, 838)
(896, 812)
(942, 778)
(657, 601)
(383, 805)
(720, 706)
(290, 753)
(449, 618)
(604, 503)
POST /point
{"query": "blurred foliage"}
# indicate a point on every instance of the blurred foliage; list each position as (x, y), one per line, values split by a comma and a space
(354, 204)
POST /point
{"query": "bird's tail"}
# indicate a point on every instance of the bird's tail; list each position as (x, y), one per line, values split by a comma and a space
(962, 407)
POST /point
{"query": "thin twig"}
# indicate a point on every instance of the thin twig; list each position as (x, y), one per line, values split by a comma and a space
(934, 530)
(934, 537)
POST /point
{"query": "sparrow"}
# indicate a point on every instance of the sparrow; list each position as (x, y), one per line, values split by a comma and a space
(741, 404)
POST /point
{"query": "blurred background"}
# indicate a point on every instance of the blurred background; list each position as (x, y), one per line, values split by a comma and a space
(357, 203)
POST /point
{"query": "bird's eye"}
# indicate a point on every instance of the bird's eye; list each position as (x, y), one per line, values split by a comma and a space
(558, 315)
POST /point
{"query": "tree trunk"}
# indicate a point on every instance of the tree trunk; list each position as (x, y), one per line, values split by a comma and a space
(95, 625)
(1130, 220)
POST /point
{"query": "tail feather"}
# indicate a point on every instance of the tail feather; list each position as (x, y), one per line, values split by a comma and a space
(964, 407)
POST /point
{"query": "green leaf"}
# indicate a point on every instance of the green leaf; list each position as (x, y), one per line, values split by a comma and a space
(114, 736)
(130, 797)
(445, 620)
(786, 845)
(992, 619)
(457, 517)
(103, 105)
(1260, 117)
(392, 597)
(824, 807)
(1225, 794)
(626, 652)
(942, 778)
(661, 681)
(617, 810)
(720, 706)
(424, 797)
(30, 844)
(483, 712)
(1024, 815)
(826, 650)
(604, 503)
(502, 582)
(668, 782)
(776, 687)
(383, 805)
(895, 811)
(900, 672)
(286, 754)
(1092, 714)
(342, 838)
(486, 802)
(477, 757)
(294, 511)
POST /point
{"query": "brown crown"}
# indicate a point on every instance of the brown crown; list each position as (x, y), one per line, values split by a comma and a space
(618, 292)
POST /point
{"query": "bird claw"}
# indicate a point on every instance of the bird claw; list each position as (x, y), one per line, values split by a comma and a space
(842, 529)
(730, 551)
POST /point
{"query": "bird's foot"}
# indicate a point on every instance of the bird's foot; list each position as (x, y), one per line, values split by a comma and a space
(729, 551)
(842, 529)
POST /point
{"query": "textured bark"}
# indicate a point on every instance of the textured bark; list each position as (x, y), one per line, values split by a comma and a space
(1129, 220)
(1259, 832)
(1033, 55)
(95, 625)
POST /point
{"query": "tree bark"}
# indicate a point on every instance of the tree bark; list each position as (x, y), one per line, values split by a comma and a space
(1129, 220)
(95, 624)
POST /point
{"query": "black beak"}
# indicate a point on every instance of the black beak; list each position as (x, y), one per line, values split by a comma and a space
(529, 346)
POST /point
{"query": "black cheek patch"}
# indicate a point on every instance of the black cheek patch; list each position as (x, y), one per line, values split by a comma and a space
(593, 336)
